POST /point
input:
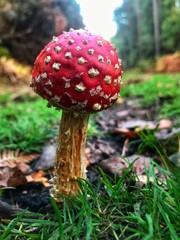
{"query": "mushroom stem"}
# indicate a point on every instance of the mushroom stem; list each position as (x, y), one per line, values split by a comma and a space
(70, 156)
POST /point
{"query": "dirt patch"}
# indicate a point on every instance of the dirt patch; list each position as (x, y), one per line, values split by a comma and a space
(169, 63)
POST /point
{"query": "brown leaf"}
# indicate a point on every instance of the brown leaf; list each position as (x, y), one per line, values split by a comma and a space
(9, 158)
(17, 175)
(4, 176)
(114, 165)
(13, 176)
(38, 177)
(141, 162)
(126, 132)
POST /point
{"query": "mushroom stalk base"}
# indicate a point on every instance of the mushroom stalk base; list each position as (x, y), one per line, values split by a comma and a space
(70, 156)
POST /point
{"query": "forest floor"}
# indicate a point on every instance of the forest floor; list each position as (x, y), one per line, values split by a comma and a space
(130, 133)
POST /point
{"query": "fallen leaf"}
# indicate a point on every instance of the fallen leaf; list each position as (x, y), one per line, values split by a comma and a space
(38, 177)
(4, 176)
(114, 165)
(137, 123)
(140, 164)
(125, 131)
(9, 158)
(17, 175)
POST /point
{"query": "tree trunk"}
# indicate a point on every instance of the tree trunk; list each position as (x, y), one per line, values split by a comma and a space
(139, 34)
(156, 27)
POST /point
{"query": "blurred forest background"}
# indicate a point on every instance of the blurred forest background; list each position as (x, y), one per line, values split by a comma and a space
(146, 29)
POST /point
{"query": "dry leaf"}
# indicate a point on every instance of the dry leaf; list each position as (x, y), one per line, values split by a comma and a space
(4, 176)
(137, 123)
(17, 176)
(114, 165)
(13, 169)
(12, 158)
(38, 177)
(126, 132)
(140, 164)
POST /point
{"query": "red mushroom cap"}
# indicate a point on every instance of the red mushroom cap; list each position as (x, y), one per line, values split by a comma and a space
(78, 71)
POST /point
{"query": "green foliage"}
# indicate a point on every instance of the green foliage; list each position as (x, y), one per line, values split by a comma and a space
(170, 26)
(121, 211)
(171, 108)
(92, 128)
(145, 65)
(28, 125)
(4, 52)
(160, 89)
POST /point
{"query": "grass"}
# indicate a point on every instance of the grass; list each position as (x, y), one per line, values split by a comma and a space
(27, 125)
(161, 90)
(113, 209)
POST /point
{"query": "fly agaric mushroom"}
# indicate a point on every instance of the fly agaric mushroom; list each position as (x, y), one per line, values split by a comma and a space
(80, 73)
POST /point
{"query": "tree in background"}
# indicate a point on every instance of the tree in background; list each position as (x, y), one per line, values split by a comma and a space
(156, 23)
(170, 28)
(134, 30)
(26, 26)
(145, 28)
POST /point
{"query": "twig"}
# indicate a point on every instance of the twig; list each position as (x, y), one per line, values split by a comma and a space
(7, 211)
(125, 147)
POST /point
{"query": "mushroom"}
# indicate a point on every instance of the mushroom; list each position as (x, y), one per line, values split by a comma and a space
(80, 73)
